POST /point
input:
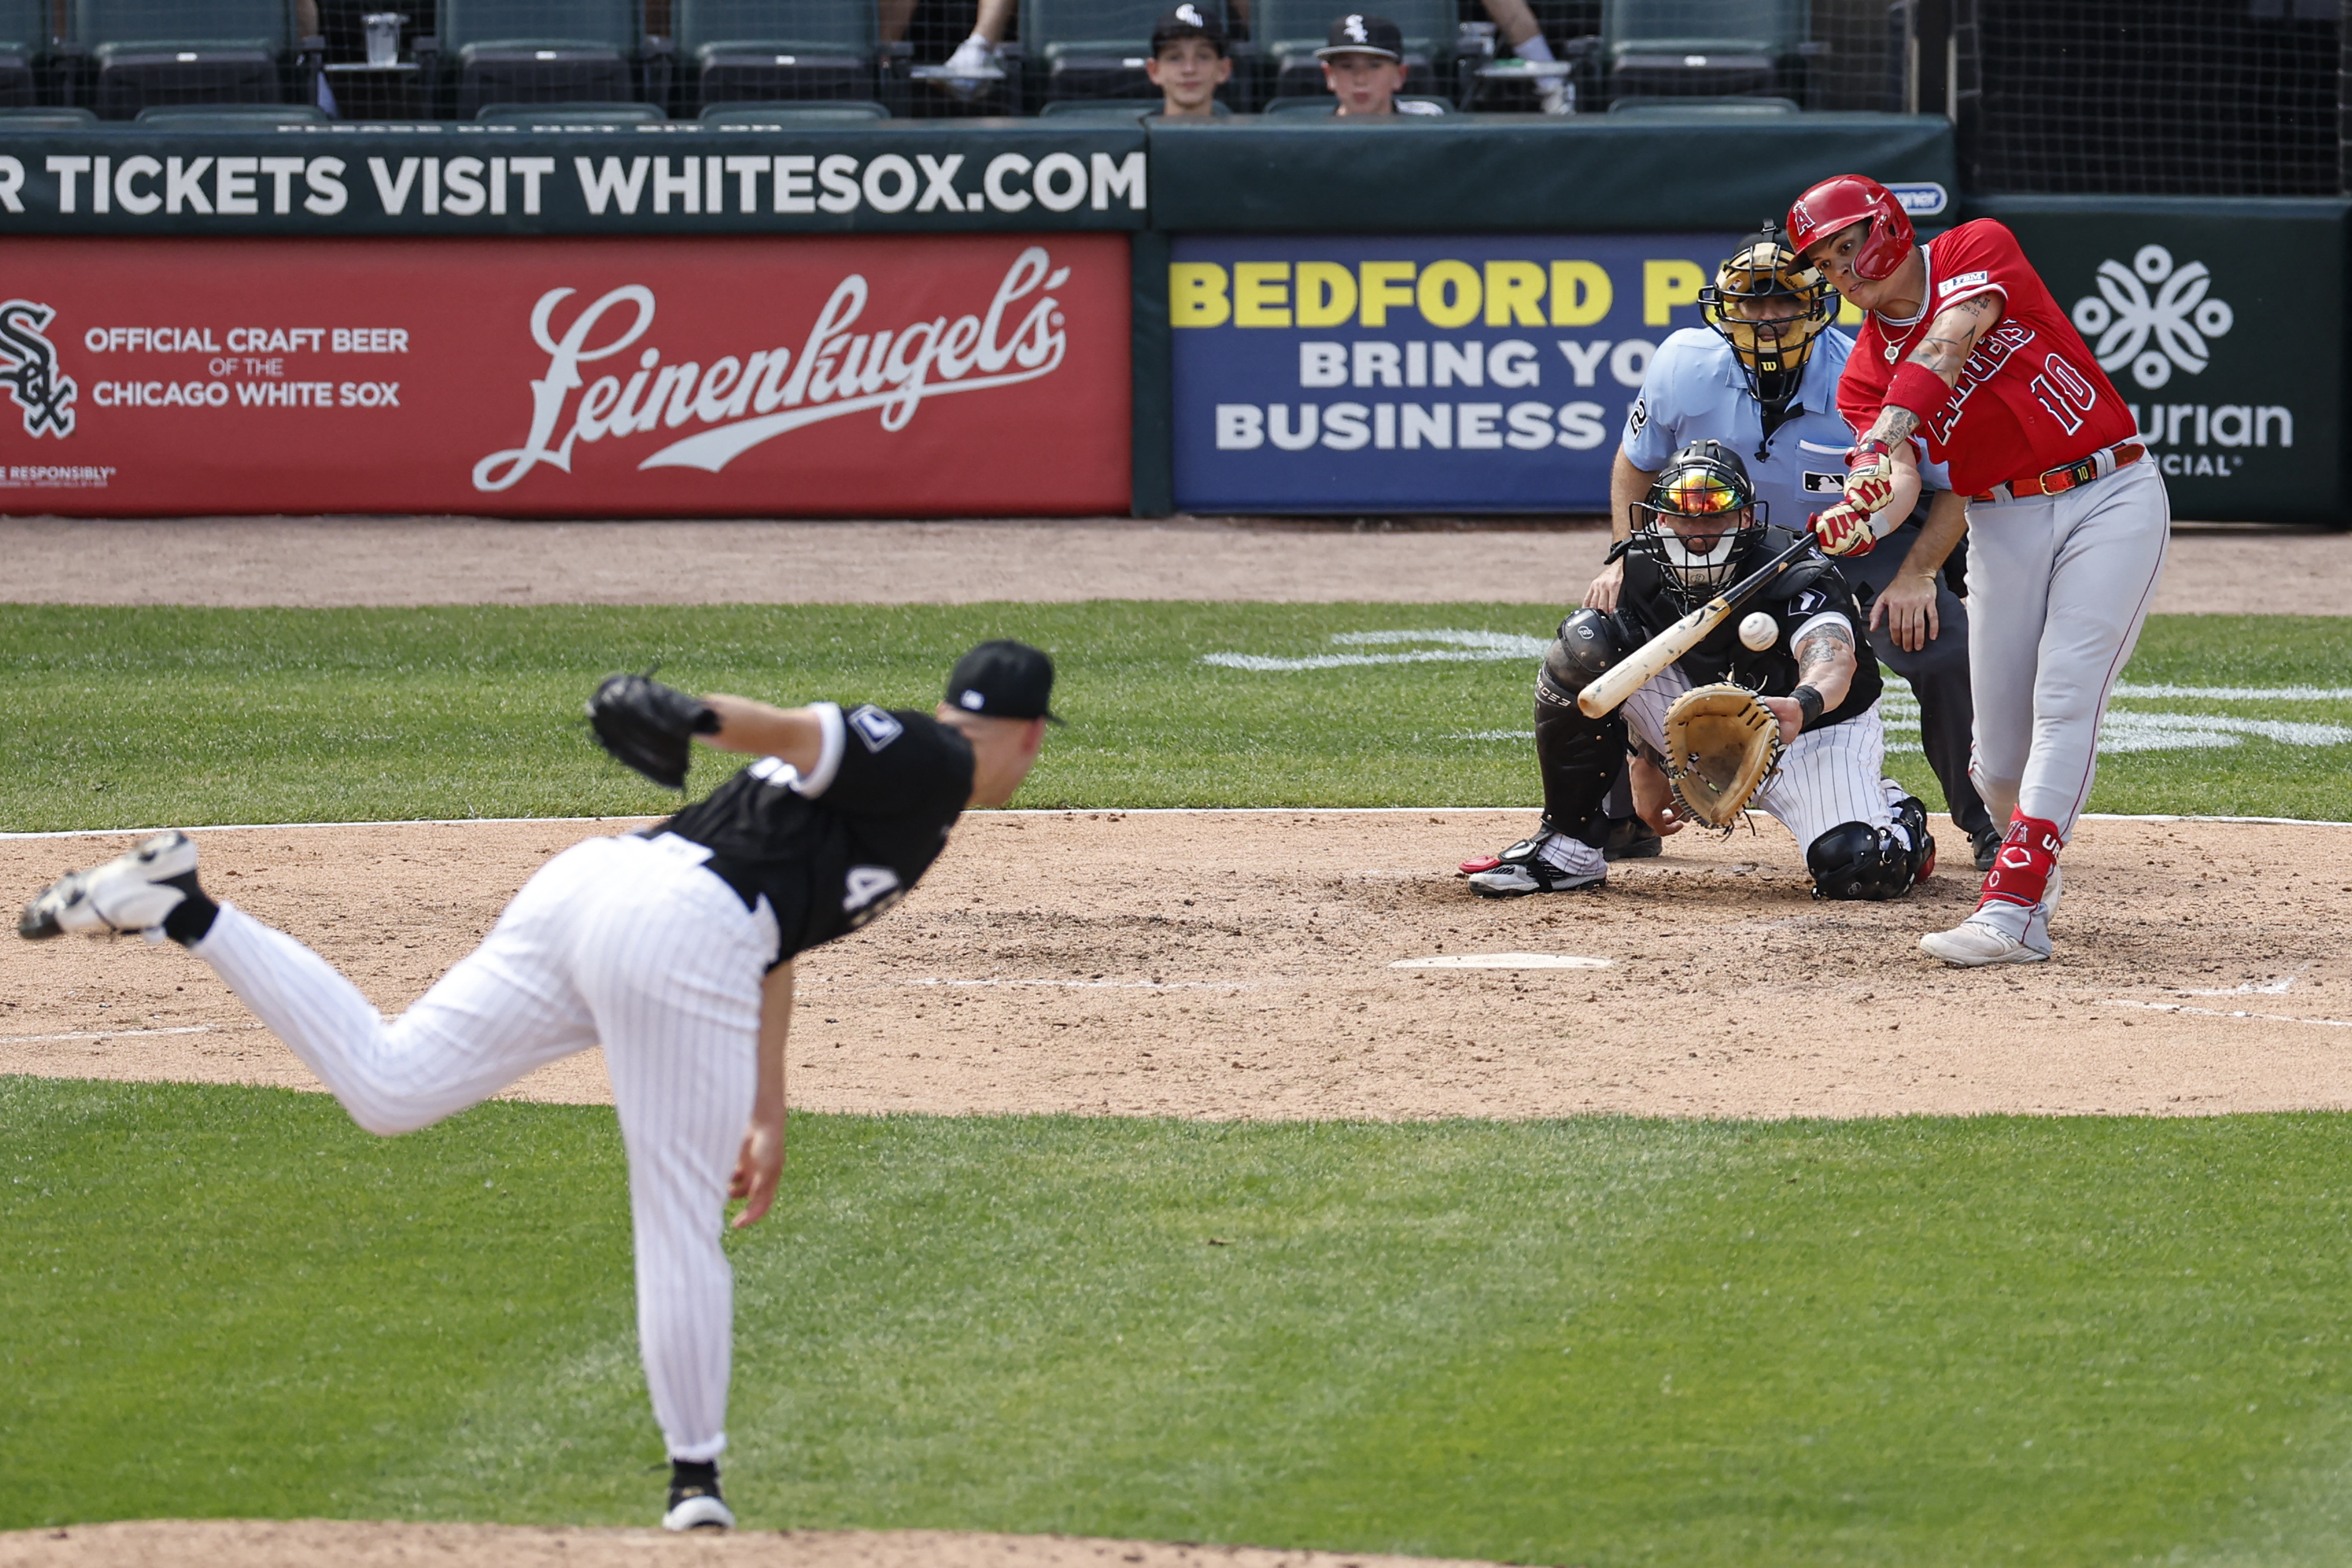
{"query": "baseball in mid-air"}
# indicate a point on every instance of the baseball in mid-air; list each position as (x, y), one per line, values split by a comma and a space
(1759, 630)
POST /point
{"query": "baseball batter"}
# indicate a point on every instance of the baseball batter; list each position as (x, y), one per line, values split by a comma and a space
(1761, 377)
(1801, 646)
(1966, 352)
(672, 947)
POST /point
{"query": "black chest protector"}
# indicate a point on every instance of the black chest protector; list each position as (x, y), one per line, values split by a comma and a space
(1808, 587)
(829, 862)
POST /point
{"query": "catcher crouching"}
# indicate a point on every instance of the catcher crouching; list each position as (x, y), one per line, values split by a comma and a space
(1791, 728)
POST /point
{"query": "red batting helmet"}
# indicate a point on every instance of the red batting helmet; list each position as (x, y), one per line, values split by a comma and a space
(1842, 202)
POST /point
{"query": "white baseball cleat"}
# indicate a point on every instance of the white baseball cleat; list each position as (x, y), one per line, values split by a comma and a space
(1547, 862)
(128, 892)
(699, 1511)
(1973, 943)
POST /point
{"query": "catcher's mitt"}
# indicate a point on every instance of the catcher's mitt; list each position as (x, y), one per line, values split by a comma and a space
(645, 725)
(1721, 746)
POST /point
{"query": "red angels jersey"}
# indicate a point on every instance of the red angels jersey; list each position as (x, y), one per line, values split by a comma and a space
(2032, 398)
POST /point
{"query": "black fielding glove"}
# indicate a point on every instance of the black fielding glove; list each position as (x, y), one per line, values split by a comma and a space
(645, 725)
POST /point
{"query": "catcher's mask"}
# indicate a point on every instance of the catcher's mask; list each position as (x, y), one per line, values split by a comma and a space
(1768, 304)
(1700, 520)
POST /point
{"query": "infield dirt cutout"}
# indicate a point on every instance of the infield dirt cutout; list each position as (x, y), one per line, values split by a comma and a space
(1246, 965)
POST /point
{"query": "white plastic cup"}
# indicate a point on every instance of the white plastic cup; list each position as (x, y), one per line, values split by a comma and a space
(383, 38)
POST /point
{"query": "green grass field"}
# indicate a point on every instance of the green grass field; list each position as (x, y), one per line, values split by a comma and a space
(137, 717)
(1603, 1342)
(1606, 1342)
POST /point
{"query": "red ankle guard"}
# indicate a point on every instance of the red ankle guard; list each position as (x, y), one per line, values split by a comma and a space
(2021, 871)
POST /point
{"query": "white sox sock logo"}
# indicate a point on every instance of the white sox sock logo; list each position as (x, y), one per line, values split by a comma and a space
(834, 373)
(33, 380)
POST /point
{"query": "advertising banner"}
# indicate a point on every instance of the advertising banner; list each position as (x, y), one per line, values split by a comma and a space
(904, 377)
(1486, 375)
(398, 177)
(2221, 322)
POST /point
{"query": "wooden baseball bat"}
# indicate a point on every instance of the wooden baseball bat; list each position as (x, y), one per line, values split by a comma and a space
(1628, 676)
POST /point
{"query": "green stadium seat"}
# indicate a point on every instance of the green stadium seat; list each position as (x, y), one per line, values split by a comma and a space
(20, 122)
(541, 114)
(542, 51)
(25, 49)
(1089, 48)
(1124, 110)
(129, 54)
(795, 114)
(1705, 108)
(735, 51)
(1289, 32)
(1703, 47)
(229, 116)
(1327, 107)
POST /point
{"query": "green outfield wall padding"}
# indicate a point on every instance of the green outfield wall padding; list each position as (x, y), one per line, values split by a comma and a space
(2224, 324)
(1518, 174)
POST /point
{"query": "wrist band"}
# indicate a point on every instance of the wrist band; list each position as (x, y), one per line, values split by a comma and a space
(1809, 702)
(1917, 389)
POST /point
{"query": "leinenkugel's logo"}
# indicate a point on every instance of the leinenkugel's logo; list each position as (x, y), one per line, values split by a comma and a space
(756, 398)
(2180, 315)
(32, 376)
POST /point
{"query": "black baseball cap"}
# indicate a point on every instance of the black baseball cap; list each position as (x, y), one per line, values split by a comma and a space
(1003, 679)
(1357, 34)
(1192, 19)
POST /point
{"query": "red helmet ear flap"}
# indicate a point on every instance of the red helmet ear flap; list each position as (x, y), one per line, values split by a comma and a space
(1844, 200)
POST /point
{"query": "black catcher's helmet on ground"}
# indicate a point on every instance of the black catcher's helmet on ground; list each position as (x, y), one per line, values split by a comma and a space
(1701, 521)
(1769, 304)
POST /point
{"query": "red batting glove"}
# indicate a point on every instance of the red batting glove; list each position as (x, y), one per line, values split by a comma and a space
(1870, 476)
(1844, 529)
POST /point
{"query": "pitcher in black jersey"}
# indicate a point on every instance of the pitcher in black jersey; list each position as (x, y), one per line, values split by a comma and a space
(1701, 529)
(671, 948)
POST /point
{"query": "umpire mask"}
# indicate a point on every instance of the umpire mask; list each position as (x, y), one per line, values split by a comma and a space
(1769, 305)
(1700, 519)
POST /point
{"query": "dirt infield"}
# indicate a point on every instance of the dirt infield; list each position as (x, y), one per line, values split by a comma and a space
(1243, 965)
(308, 1543)
(380, 562)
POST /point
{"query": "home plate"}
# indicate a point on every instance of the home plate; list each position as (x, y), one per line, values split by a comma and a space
(1502, 961)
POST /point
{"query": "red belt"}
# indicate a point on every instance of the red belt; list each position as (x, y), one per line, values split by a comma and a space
(2098, 465)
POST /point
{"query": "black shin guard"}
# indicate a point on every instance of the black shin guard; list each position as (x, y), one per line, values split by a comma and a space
(1581, 758)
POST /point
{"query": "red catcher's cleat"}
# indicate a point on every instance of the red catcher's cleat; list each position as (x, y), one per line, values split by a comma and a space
(1484, 862)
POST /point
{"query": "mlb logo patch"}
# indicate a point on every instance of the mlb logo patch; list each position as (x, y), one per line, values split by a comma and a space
(1824, 484)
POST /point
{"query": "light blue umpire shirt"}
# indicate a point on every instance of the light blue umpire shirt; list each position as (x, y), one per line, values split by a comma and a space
(1694, 390)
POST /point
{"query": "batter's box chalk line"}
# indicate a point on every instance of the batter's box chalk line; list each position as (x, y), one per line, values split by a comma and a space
(2222, 1012)
(1101, 985)
(1503, 961)
(2122, 731)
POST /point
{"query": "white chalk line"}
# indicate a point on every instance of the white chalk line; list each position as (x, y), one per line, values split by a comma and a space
(1071, 811)
(1503, 961)
(2223, 1012)
(127, 1033)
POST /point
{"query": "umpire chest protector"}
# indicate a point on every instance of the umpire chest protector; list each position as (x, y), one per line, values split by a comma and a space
(1651, 603)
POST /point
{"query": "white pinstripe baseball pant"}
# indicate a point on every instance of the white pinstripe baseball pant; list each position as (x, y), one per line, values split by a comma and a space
(624, 942)
(1826, 776)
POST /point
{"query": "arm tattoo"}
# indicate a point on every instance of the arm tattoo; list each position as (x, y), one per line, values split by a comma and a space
(1820, 648)
(1895, 425)
(1952, 337)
